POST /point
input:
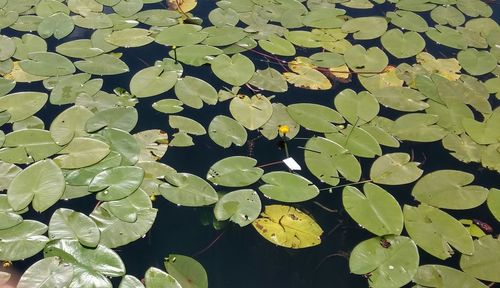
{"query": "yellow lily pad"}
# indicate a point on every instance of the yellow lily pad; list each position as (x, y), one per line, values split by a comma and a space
(288, 227)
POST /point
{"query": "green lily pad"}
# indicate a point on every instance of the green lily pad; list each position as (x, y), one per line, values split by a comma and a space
(194, 91)
(374, 209)
(128, 8)
(157, 278)
(69, 224)
(485, 261)
(111, 226)
(47, 64)
(439, 276)
(277, 46)
(356, 108)
(22, 105)
(81, 48)
(447, 15)
(28, 145)
(195, 55)
(463, 147)
(477, 62)
(223, 36)
(187, 271)
(403, 45)
(474, 8)
(41, 184)
(104, 64)
(395, 169)
(448, 189)
(361, 60)
(324, 18)
(315, 117)
(181, 35)
(130, 37)
(127, 209)
(436, 231)
(236, 70)
(70, 123)
(28, 43)
(22, 241)
(90, 265)
(235, 171)
(168, 106)
(58, 25)
(82, 152)
(188, 190)
(357, 141)
(447, 36)
(69, 88)
(129, 281)
(241, 207)
(152, 81)
(8, 47)
(389, 267)
(288, 187)
(326, 159)
(408, 20)
(251, 112)
(225, 131)
(418, 127)
(365, 28)
(48, 272)
(401, 98)
(124, 118)
(486, 132)
(116, 183)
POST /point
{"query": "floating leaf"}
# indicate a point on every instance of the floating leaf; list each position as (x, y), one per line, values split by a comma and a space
(288, 227)
(130, 37)
(69, 224)
(435, 231)
(241, 207)
(447, 15)
(280, 120)
(251, 112)
(104, 64)
(439, 276)
(127, 209)
(58, 25)
(418, 127)
(395, 169)
(157, 278)
(82, 152)
(111, 226)
(361, 60)
(408, 20)
(48, 272)
(187, 271)
(70, 123)
(485, 261)
(152, 81)
(47, 64)
(401, 98)
(403, 45)
(269, 79)
(22, 105)
(365, 28)
(357, 141)
(188, 190)
(194, 91)
(235, 171)
(116, 183)
(325, 159)
(81, 48)
(393, 266)
(288, 187)
(477, 62)
(277, 46)
(486, 132)
(375, 209)
(90, 265)
(22, 241)
(28, 145)
(42, 182)
(225, 131)
(494, 202)
(315, 117)
(306, 76)
(129, 281)
(153, 144)
(236, 70)
(356, 108)
(169, 106)
(124, 118)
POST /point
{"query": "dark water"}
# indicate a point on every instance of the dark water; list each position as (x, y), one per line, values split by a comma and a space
(240, 257)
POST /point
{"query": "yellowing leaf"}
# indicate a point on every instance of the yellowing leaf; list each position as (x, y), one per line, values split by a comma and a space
(448, 68)
(182, 6)
(288, 227)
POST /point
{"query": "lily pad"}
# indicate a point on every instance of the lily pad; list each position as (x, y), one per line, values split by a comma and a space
(393, 266)
(235, 171)
(116, 183)
(436, 231)
(152, 81)
(236, 70)
(365, 28)
(48, 272)
(194, 91)
(23, 240)
(251, 112)
(22, 105)
(225, 131)
(288, 187)
(288, 227)
(69, 224)
(187, 271)
(124, 118)
(494, 202)
(477, 62)
(104, 64)
(41, 184)
(82, 152)
(374, 209)
(47, 64)
(403, 45)
(395, 169)
(361, 60)
(449, 189)
(70, 123)
(356, 108)
(188, 190)
(315, 117)
(130, 37)
(438, 276)
(485, 261)
(241, 207)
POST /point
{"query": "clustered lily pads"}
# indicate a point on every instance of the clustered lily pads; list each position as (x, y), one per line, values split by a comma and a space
(258, 52)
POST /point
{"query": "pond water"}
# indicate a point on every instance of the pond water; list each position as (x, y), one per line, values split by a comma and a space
(235, 256)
